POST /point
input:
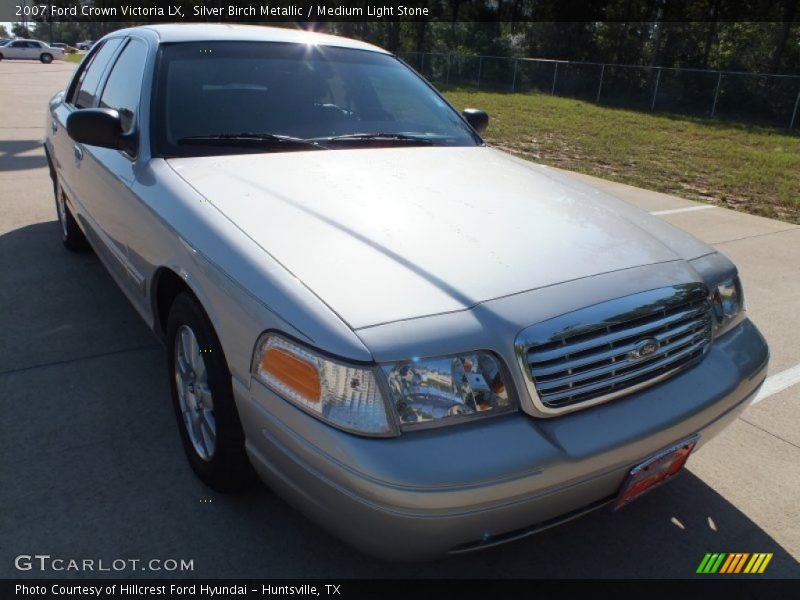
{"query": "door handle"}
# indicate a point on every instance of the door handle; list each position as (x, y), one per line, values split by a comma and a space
(53, 126)
(78, 152)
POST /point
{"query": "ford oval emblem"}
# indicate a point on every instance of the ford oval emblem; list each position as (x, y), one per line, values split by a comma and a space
(643, 349)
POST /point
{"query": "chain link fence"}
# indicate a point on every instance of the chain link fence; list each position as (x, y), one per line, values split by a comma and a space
(757, 98)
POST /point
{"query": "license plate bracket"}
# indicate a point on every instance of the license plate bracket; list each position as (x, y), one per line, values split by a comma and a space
(654, 471)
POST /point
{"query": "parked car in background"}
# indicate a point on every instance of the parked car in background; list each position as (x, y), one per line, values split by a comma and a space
(426, 344)
(65, 47)
(84, 45)
(30, 50)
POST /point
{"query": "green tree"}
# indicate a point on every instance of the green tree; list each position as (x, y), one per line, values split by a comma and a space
(20, 30)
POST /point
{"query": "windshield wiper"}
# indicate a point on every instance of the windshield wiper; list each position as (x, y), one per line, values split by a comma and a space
(378, 137)
(247, 139)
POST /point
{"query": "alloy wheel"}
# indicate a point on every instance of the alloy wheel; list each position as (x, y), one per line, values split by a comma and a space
(194, 393)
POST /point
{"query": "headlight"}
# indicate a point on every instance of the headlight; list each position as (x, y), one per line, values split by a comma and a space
(728, 301)
(344, 395)
(448, 389)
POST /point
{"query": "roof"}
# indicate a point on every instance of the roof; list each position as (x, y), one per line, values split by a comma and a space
(206, 32)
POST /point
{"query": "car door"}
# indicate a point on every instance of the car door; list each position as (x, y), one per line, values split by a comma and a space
(106, 174)
(25, 50)
(16, 49)
(82, 181)
(34, 50)
(81, 93)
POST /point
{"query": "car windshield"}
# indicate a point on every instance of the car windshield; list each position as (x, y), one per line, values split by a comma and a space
(227, 97)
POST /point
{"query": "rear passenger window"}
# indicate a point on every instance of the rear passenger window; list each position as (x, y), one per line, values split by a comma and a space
(91, 76)
(124, 84)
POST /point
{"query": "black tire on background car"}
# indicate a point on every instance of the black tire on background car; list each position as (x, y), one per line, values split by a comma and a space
(202, 395)
(71, 235)
(46, 58)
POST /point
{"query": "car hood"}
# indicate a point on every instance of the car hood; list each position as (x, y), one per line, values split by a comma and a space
(387, 234)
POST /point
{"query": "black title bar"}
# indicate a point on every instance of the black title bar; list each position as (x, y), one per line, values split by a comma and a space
(238, 11)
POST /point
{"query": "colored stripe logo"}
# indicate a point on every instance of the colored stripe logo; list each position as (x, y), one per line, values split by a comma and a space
(734, 562)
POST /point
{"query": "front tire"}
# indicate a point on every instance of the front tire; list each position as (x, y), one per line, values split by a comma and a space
(202, 395)
(71, 235)
(46, 58)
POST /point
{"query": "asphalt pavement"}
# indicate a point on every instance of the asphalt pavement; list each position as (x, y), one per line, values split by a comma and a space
(91, 464)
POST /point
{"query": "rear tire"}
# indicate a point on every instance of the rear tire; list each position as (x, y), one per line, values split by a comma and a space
(46, 58)
(202, 395)
(71, 235)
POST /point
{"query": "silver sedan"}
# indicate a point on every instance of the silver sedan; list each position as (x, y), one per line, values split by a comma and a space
(29, 50)
(423, 343)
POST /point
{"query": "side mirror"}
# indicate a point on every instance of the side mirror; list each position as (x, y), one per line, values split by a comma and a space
(479, 119)
(99, 127)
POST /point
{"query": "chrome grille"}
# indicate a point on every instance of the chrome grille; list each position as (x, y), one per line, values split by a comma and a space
(591, 355)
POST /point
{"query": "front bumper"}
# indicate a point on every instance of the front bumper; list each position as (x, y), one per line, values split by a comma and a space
(459, 488)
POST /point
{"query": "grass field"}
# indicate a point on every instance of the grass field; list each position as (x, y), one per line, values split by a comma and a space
(74, 58)
(745, 167)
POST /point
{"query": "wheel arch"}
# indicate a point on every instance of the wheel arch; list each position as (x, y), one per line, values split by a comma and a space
(166, 283)
(165, 287)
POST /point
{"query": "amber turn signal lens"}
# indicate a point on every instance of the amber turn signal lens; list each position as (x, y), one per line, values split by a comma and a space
(295, 373)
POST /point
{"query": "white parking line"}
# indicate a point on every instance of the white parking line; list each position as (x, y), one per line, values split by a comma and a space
(778, 382)
(673, 211)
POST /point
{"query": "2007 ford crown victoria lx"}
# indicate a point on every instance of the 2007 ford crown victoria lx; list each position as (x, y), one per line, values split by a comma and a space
(425, 344)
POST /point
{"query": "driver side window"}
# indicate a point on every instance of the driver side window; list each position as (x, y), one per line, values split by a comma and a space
(123, 87)
(91, 75)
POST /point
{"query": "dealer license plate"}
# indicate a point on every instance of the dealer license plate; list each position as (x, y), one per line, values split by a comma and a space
(655, 471)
